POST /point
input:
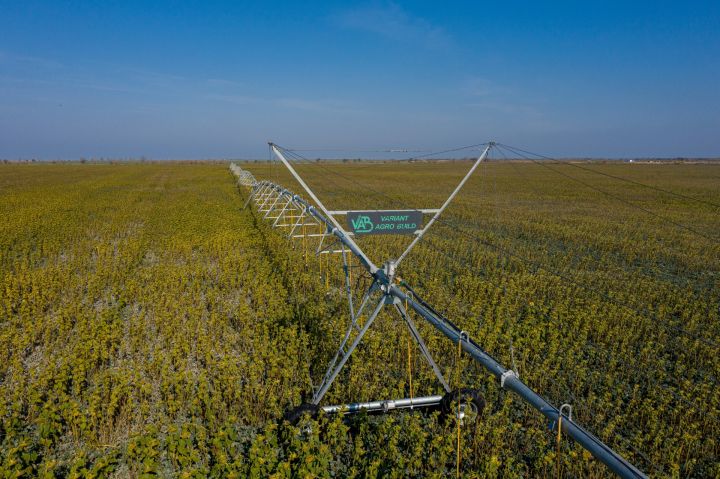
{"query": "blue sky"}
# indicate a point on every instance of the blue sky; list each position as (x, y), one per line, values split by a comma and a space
(218, 79)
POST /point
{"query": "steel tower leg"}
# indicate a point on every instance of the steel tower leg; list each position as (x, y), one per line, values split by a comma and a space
(423, 348)
(335, 369)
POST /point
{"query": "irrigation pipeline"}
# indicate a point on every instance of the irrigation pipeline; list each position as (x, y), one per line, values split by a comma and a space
(509, 379)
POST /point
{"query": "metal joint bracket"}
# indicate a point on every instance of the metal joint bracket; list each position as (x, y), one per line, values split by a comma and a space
(507, 374)
(389, 268)
(389, 299)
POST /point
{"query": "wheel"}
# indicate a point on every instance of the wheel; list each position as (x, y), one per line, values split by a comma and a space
(466, 404)
(294, 415)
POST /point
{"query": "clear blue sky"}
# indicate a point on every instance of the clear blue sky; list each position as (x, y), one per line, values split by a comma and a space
(218, 79)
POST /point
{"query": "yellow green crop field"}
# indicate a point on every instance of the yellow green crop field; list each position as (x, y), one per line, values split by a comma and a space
(150, 326)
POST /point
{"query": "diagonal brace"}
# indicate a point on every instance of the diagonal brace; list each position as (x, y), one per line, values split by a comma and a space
(423, 348)
(334, 372)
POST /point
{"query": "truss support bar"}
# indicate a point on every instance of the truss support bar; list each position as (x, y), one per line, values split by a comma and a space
(322, 240)
(310, 235)
(327, 218)
(334, 372)
(423, 348)
(282, 212)
(253, 192)
(312, 224)
(300, 218)
(384, 406)
(426, 211)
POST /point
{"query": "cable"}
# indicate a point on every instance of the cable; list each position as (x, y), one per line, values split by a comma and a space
(562, 276)
(354, 150)
(435, 153)
(535, 264)
(679, 195)
(464, 263)
(475, 270)
(671, 277)
(375, 192)
(622, 200)
(315, 165)
(572, 280)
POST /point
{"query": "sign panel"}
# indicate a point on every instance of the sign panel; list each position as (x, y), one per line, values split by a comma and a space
(384, 222)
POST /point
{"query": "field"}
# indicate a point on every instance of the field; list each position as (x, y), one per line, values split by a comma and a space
(151, 326)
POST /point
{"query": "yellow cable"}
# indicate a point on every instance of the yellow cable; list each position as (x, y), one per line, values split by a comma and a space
(457, 474)
(559, 432)
(409, 356)
(409, 350)
(459, 350)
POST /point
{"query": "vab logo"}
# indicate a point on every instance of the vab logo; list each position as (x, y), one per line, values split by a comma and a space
(362, 224)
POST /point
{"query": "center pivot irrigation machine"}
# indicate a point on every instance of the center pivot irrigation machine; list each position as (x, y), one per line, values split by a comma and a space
(288, 210)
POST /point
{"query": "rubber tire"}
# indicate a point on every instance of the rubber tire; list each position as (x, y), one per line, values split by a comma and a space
(293, 416)
(450, 399)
